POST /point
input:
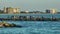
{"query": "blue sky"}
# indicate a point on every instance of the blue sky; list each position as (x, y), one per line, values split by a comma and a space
(31, 5)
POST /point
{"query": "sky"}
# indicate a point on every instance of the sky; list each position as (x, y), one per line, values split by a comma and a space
(31, 5)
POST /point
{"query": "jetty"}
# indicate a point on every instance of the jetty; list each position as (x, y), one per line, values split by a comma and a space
(30, 18)
(5, 24)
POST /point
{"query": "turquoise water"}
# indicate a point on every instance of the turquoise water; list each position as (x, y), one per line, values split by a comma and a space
(34, 15)
(33, 27)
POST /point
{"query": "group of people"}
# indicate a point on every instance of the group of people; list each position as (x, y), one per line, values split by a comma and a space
(31, 18)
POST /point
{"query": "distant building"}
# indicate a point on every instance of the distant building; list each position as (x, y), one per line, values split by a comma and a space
(47, 11)
(27, 11)
(58, 12)
(53, 11)
(10, 10)
(1, 11)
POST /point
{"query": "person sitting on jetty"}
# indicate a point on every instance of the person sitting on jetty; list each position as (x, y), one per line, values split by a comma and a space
(32, 18)
(53, 18)
(38, 18)
(25, 18)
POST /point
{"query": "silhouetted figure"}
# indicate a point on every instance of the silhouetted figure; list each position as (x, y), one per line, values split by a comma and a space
(38, 18)
(25, 18)
(32, 18)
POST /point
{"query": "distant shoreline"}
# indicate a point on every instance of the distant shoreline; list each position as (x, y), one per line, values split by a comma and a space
(33, 13)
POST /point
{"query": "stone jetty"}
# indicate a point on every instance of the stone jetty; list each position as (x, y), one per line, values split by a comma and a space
(30, 18)
(5, 24)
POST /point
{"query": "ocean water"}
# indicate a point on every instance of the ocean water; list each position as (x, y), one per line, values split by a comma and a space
(34, 15)
(33, 27)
